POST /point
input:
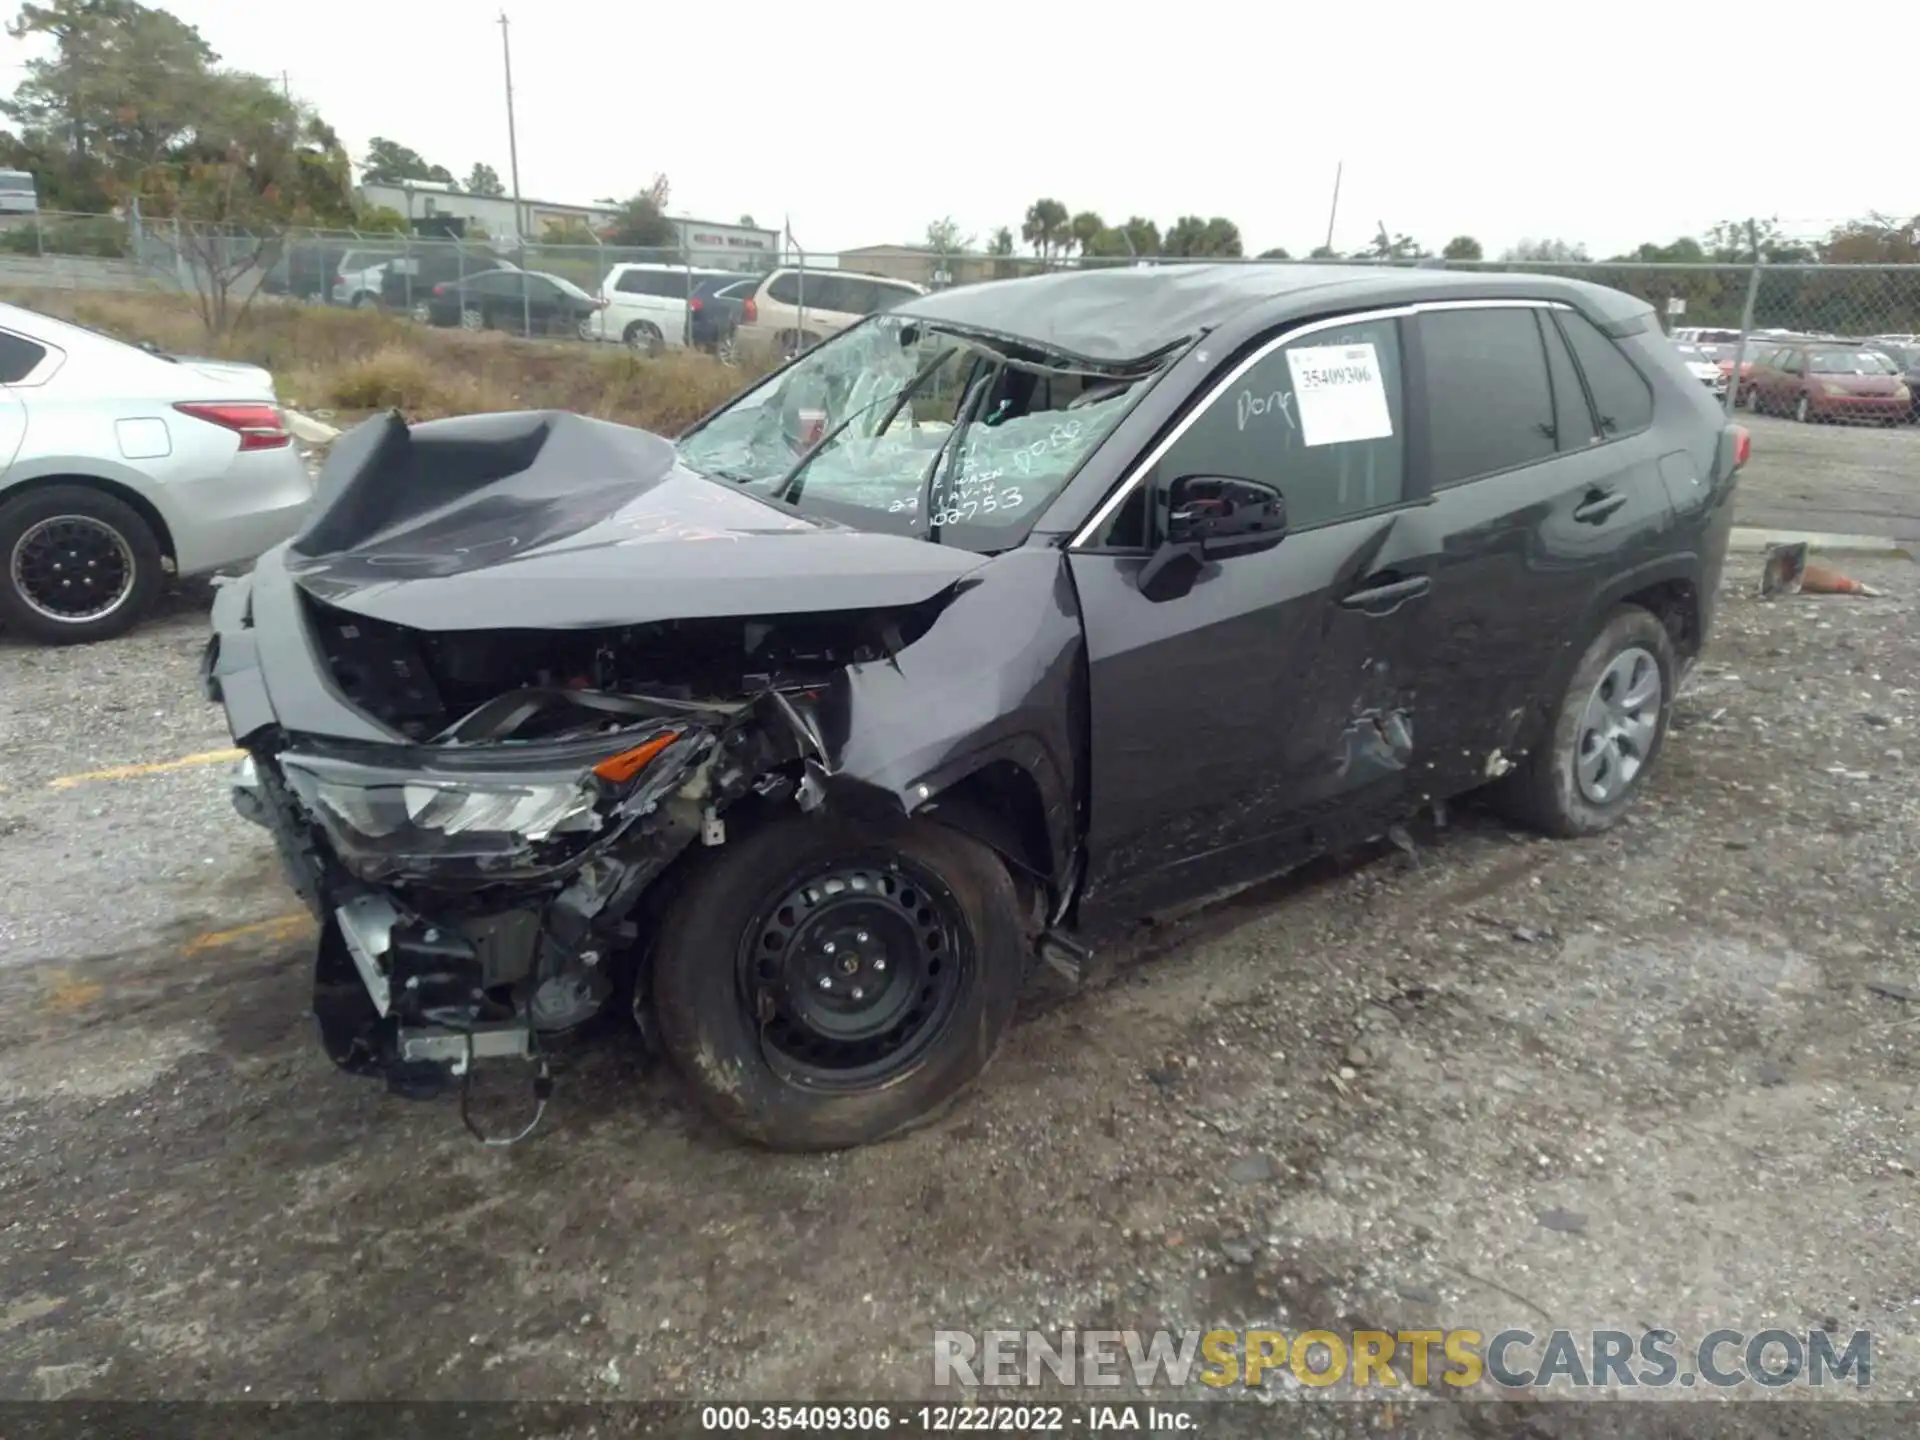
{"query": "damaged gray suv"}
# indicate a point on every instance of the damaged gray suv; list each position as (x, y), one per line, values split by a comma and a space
(1014, 612)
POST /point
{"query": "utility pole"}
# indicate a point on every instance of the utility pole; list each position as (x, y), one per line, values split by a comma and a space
(1746, 322)
(513, 161)
(286, 87)
(1334, 209)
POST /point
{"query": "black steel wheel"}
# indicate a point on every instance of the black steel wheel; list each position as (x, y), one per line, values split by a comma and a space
(825, 982)
(853, 971)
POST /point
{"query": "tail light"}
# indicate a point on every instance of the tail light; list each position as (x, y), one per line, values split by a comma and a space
(695, 303)
(1742, 446)
(259, 426)
(439, 289)
(749, 312)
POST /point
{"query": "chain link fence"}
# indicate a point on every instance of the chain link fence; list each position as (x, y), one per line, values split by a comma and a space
(661, 298)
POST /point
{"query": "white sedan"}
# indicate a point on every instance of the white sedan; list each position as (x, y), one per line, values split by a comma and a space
(118, 464)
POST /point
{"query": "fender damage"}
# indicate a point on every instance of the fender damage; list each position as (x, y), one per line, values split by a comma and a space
(517, 667)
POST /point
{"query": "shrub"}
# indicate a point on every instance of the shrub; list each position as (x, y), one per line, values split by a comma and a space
(359, 360)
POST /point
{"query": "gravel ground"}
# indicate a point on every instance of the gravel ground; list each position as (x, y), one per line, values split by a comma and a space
(1665, 1077)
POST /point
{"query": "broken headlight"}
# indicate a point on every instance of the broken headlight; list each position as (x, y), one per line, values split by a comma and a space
(488, 824)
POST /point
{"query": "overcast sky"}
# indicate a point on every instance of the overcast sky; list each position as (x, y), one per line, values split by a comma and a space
(863, 121)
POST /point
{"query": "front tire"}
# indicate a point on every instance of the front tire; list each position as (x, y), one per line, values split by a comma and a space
(1605, 733)
(76, 565)
(826, 982)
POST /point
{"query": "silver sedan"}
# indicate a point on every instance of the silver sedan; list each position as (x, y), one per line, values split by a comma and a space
(117, 464)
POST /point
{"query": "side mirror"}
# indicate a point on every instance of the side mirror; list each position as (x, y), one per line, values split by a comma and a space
(1202, 518)
(1224, 516)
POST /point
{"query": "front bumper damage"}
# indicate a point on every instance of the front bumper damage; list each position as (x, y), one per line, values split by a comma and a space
(471, 900)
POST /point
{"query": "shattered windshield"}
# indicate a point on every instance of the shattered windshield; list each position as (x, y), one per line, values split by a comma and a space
(898, 426)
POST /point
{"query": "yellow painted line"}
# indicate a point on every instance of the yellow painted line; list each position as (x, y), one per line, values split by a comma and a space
(280, 927)
(157, 767)
(68, 996)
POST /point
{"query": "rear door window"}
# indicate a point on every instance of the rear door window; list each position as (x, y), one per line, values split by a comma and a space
(1621, 396)
(824, 292)
(1489, 399)
(857, 296)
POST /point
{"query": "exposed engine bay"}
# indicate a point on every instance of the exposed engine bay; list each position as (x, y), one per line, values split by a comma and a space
(427, 685)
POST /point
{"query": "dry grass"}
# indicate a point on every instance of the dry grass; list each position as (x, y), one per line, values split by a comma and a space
(357, 361)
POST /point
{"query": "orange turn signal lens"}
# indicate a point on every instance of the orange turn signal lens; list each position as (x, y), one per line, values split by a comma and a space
(619, 769)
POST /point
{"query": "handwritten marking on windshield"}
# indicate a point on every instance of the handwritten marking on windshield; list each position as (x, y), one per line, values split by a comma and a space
(1249, 406)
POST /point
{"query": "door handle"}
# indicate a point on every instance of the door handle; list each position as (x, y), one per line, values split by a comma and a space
(1385, 596)
(1598, 506)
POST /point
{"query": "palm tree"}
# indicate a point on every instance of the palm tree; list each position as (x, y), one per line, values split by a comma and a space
(1043, 227)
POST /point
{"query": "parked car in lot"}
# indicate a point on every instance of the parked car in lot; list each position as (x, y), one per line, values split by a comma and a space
(361, 278)
(994, 622)
(1815, 380)
(792, 310)
(406, 282)
(117, 464)
(645, 306)
(304, 271)
(1905, 359)
(713, 314)
(1704, 365)
(1749, 356)
(1705, 335)
(520, 301)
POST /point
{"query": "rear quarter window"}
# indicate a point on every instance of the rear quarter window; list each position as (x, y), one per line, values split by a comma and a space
(18, 357)
(1622, 399)
(784, 288)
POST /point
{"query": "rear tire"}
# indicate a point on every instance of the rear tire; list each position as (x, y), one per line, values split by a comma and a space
(1803, 411)
(826, 982)
(472, 318)
(1599, 746)
(643, 338)
(65, 526)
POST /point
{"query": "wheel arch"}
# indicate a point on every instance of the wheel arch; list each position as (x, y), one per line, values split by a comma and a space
(1670, 588)
(1008, 797)
(119, 490)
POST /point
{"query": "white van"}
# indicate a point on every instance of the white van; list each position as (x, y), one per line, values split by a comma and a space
(18, 193)
(646, 304)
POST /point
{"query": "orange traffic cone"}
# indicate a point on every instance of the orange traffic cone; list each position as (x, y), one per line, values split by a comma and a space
(1819, 580)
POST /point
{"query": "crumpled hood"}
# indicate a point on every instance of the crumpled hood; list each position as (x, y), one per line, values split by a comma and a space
(547, 520)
